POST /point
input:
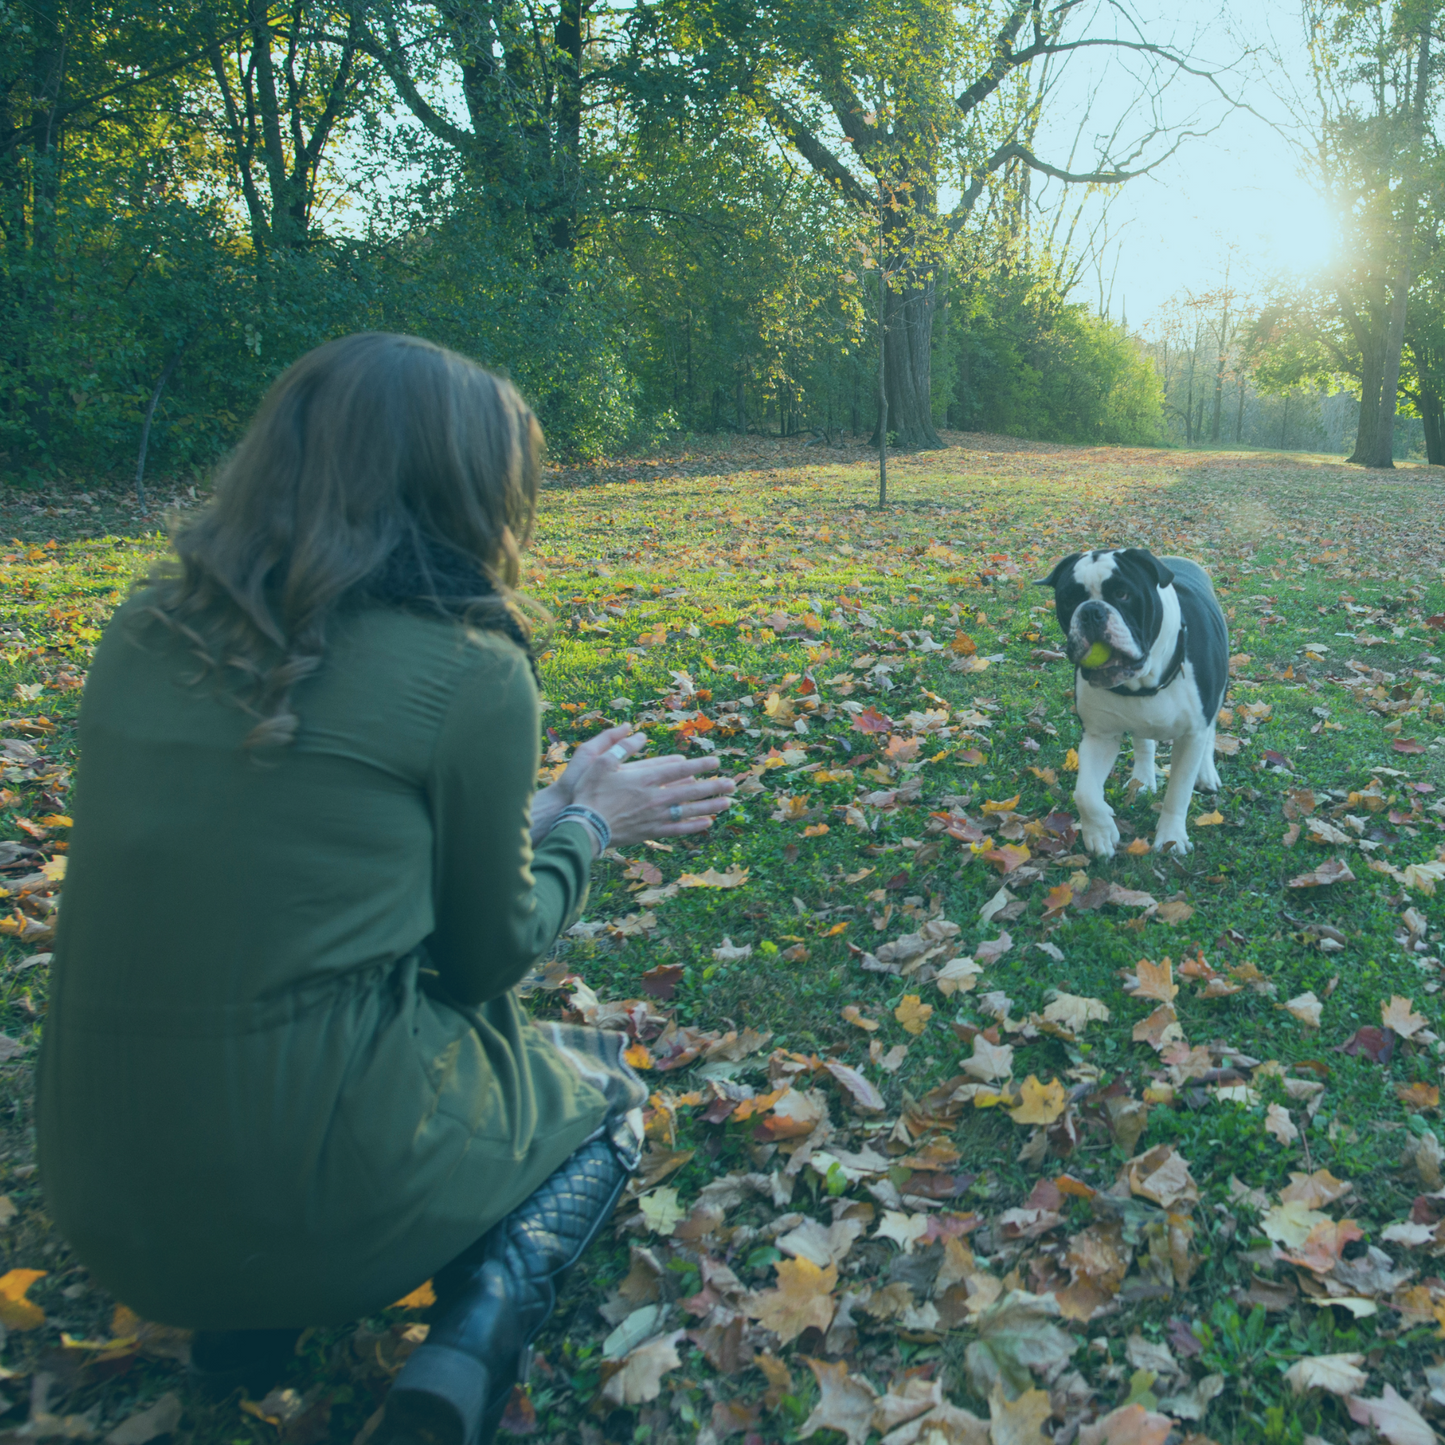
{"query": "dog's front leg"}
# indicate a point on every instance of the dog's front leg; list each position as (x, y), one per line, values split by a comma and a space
(1096, 757)
(1185, 757)
(1143, 773)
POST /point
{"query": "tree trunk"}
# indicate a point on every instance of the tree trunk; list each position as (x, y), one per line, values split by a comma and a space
(907, 362)
(1381, 454)
(1284, 422)
(1189, 406)
(1239, 415)
(1430, 405)
(1371, 360)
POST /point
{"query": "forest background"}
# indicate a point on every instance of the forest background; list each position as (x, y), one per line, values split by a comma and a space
(670, 218)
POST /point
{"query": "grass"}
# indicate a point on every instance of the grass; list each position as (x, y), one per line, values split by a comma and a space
(687, 584)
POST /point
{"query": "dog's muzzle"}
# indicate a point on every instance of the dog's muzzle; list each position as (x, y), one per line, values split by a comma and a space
(1098, 622)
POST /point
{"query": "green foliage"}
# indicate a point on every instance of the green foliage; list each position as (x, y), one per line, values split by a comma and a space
(1029, 364)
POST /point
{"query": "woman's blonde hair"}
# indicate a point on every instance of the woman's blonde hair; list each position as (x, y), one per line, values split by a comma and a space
(373, 457)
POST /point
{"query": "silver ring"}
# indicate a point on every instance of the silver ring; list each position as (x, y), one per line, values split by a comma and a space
(617, 751)
(675, 812)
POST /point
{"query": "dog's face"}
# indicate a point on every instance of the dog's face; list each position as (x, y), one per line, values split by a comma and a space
(1112, 597)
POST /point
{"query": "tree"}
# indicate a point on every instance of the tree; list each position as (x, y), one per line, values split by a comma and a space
(1377, 159)
(892, 101)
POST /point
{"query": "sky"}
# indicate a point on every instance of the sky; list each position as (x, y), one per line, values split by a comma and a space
(1235, 192)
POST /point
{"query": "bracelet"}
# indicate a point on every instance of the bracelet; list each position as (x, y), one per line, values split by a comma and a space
(593, 820)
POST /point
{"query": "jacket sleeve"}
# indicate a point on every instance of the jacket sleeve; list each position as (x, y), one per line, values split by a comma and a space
(499, 904)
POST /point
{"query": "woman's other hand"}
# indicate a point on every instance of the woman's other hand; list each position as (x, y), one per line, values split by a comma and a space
(650, 798)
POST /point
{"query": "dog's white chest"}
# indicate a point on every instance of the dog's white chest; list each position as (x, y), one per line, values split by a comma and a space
(1162, 717)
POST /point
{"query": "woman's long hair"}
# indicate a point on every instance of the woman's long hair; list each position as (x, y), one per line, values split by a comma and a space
(378, 465)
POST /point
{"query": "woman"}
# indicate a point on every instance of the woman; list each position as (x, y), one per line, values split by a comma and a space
(285, 1078)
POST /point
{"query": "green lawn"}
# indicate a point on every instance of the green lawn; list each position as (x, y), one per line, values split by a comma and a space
(910, 1135)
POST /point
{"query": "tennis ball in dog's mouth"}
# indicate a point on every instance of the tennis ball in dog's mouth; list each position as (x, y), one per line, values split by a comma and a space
(1098, 655)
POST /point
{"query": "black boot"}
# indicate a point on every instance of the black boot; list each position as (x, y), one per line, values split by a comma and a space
(492, 1301)
(227, 1360)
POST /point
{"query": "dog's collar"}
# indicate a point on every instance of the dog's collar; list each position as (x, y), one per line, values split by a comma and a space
(1173, 670)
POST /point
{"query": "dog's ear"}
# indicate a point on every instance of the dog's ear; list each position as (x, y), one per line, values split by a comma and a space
(1162, 576)
(1060, 572)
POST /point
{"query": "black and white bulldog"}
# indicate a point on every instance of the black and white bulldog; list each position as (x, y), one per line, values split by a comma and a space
(1150, 650)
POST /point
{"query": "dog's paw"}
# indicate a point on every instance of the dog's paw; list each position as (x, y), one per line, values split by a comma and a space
(1172, 839)
(1209, 779)
(1101, 838)
(1142, 782)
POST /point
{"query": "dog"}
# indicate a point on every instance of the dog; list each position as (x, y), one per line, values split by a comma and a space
(1163, 679)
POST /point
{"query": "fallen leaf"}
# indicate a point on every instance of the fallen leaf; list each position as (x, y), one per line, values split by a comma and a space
(1278, 1123)
(423, 1297)
(1075, 1013)
(845, 1402)
(852, 1014)
(1290, 1223)
(1174, 911)
(1040, 1103)
(1163, 1176)
(803, 1299)
(1333, 870)
(1160, 1028)
(160, 1418)
(1399, 1014)
(1306, 1008)
(661, 1210)
(735, 877)
(1016, 1335)
(902, 1228)
(913, 1013)
(861, 1094)
(1021, 1421)
(640, 1377)
(1156, 980)
(1339, 1374)
(1209, 820)
(1315, 1190)
(990, 1062)
(1128, 1425)
(729, 952)
(1418, 1096)
(1396, 1419)
(17, 1312)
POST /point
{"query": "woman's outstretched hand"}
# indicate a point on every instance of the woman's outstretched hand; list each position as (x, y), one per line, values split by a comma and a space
(646, 798)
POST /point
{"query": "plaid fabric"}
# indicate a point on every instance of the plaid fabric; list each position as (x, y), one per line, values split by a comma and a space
(596, 1054)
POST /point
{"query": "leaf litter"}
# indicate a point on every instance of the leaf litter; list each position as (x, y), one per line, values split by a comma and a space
(957, 1133)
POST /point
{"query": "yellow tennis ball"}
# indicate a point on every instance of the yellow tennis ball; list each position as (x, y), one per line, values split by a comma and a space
(1098, 655)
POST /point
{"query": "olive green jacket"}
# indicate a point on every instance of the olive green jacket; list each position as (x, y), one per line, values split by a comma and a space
(283, 1077)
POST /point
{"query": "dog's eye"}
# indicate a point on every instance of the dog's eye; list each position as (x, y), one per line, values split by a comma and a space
(1122, 594)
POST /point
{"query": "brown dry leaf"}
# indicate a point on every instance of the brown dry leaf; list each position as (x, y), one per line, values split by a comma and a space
(1175, 911)
(640, 1378)
(779, 1377)
(990, 1062)
(735, 877)
(1156, 980)
(1325, 1244)
(1018, 1422)
(17, 1312)
(1418, 1096)
(913, 1013)
(1138, 848)
(1306, 1008)
(1278, 1123)
(803, 1298)
(1163, 1176)
(1396, 1419)
(1209, 820)
(1129, 1425)
(1315, 1190)
(161, 1418)
(1040, 1103)
(1160, 1028)
(854, 1015)
(861, 1094)
(421, 1298)
(1339, 1374)
(1076, 1013)
(1333, 870)
(845, 1402)
(1399, 1014)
